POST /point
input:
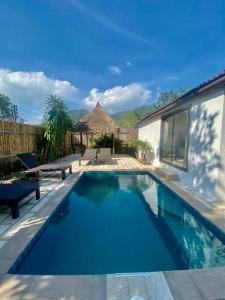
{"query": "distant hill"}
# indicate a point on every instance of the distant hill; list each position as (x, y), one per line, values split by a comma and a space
(77, 114)
(123, 119)
(128, 118)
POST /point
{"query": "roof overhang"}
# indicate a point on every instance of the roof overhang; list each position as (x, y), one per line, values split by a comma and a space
(216, 81)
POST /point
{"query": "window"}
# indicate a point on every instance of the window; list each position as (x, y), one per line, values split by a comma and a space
(174, 141)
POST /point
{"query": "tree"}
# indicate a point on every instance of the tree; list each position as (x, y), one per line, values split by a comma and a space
(169, 96)
(5, 107)
(128, 118)
(56, 123)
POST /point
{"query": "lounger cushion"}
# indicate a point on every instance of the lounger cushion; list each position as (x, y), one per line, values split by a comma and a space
(51, 167)
(33, 165)
(29, 160)
(16, 191)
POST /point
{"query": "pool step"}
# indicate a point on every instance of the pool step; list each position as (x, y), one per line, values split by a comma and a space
(168, 175)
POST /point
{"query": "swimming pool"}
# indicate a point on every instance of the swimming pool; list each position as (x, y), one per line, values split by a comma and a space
(121, 222)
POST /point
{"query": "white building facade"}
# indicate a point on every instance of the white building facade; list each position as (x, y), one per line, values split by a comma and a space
(188, 137)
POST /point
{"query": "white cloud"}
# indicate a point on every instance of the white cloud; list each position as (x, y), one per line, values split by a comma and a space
(115, 70)
(28, 90)
(129, 64)
(119, 98)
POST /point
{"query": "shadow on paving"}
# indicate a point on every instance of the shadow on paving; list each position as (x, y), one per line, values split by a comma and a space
(53, 287)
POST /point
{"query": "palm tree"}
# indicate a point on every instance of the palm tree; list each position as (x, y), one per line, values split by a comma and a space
(56, 123)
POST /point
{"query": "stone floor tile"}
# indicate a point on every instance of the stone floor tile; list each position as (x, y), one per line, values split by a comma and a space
(53, 287)
(2, 243)
(117, 289)
(137, 287)
(3, 228)
(157, 287)
(41, 203)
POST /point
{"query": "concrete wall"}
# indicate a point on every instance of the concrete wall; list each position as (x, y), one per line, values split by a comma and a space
(151, 132)
(206, 156)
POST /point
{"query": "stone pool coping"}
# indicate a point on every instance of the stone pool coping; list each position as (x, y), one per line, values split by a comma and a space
(188, 284)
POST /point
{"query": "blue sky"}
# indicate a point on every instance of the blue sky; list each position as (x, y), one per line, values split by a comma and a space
(122, 53)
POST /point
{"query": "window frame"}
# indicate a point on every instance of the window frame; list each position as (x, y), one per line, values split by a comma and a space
(165, 117)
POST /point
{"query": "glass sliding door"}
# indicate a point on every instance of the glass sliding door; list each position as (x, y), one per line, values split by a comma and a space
(166, 143)
(180, 139)
(174, 139)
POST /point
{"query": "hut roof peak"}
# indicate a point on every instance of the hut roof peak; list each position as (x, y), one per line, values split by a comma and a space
(96, 121)
(98, 105)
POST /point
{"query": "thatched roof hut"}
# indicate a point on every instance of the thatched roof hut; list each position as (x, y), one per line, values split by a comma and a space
(95, 122)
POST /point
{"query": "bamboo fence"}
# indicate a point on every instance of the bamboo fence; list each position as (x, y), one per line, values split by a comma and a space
(68, 143)
(15, 138)
(18, 138)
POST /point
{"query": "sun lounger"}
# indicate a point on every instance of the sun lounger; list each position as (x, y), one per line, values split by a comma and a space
(12, 194)
(89, 155)
(33, 165)
(105, 155)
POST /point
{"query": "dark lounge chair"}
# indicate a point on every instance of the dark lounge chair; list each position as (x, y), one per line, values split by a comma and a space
(33, 165)
(12, 194)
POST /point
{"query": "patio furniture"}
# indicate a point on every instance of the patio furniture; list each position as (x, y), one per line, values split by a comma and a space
(105, 155)
(30, 162)
(11, 194)
(89, 155)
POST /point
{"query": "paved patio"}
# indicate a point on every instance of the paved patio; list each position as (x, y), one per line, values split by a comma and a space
(15, 235)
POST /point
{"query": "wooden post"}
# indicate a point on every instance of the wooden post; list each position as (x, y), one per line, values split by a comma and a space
(113, 142)
(81, 142)
(71, 142)
(87, 139)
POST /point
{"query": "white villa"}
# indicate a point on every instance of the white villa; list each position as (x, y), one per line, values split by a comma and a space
(188, 138)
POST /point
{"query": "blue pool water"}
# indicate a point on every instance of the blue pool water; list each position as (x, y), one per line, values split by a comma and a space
(119, 223)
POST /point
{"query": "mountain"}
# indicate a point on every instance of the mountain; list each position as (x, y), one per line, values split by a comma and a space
(128, 118)
(123, 119)
(77, 114)
(145, 110)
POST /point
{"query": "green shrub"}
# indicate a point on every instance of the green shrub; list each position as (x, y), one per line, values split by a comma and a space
(105, 140)
(139, 147)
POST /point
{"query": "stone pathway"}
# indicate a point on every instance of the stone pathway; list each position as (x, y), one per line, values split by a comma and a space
(119, 162)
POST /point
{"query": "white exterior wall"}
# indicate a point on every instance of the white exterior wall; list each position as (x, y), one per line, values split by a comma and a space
(151, 133)
(206, 145)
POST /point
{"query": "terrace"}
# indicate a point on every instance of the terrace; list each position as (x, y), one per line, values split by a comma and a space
(15, 236)
(142, 233)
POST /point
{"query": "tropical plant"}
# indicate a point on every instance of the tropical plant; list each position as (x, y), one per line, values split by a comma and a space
(140, 147)
(5, 107)
(102, 140)
(105, 140)
(56, 123)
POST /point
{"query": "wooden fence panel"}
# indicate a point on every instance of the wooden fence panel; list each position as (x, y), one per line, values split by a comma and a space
(16, 138)
(68, 143)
